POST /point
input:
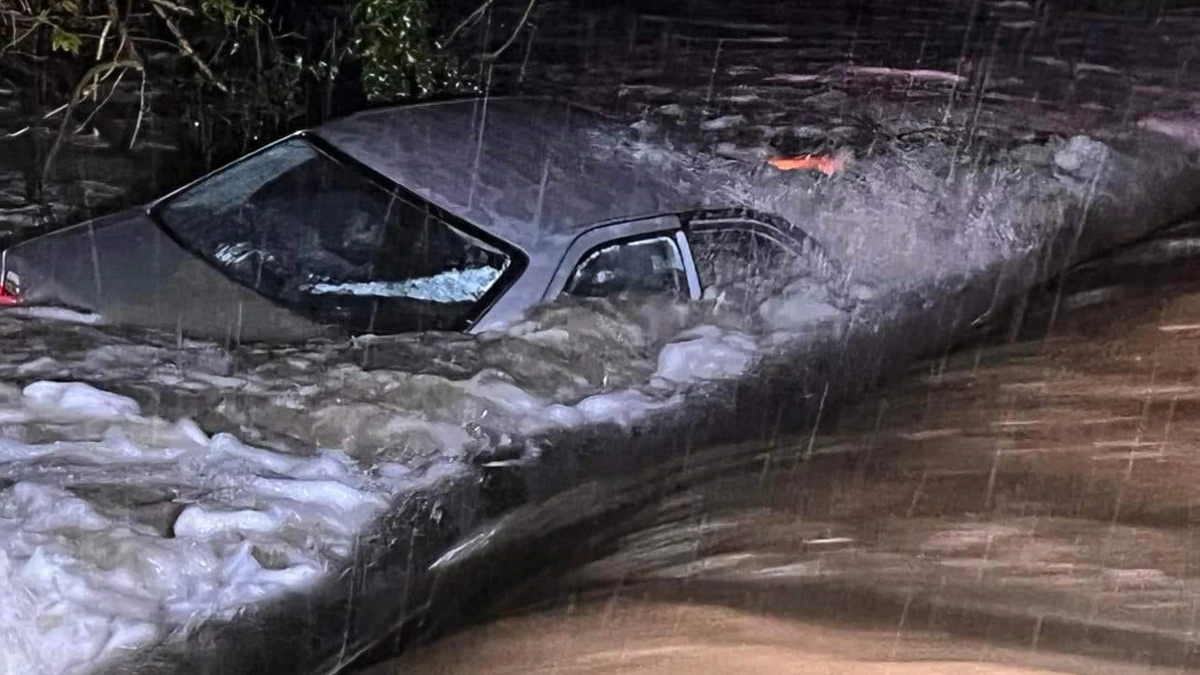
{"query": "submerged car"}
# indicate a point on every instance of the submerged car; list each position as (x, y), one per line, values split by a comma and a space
(454, 216)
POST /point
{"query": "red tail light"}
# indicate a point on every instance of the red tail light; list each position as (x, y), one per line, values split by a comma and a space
(8, 297)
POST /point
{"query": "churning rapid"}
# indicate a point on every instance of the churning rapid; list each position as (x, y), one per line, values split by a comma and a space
(1029, 496)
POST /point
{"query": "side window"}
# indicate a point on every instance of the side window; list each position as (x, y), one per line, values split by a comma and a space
(732, 257)
(643, 266)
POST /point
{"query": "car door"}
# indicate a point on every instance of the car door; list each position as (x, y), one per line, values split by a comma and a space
(635, 258)
(744, 260)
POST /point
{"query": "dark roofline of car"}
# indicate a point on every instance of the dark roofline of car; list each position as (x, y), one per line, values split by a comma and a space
(457, 99)
(447, 150)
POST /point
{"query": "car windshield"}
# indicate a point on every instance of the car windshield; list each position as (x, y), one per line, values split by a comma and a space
(313, 233)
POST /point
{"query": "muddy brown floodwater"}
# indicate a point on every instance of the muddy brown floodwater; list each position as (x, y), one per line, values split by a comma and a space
(1026, 503)
(678, 639)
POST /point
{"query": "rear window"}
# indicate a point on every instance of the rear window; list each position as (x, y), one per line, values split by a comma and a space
(316, 234)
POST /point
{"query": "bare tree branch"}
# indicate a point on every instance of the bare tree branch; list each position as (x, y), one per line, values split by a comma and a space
(18, 39)
(98, 70)
(178, 9)
(103, 38)
(112, 90)
(185, 48)
(141, 111)
(470, 20)
(512, 38)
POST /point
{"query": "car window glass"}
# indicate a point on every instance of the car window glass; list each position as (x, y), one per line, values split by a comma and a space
(644, 266)
(728, 257)
(303, 228)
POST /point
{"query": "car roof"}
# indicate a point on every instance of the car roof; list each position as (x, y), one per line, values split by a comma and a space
(534, 172)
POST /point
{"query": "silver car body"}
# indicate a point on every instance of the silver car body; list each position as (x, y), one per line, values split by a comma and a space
(553, 181)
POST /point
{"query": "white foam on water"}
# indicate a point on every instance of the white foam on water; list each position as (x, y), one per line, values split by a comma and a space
(83, 579)
(706, 353)
(55, 314)
(75, 399)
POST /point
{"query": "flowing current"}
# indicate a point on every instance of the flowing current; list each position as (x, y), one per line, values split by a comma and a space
(967, 518)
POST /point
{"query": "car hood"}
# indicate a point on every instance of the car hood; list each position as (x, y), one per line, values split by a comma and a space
(127, 270)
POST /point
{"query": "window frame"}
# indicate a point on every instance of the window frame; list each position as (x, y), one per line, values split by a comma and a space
(619, 245)
(621, 233)
(802, 246)
(518, 260)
